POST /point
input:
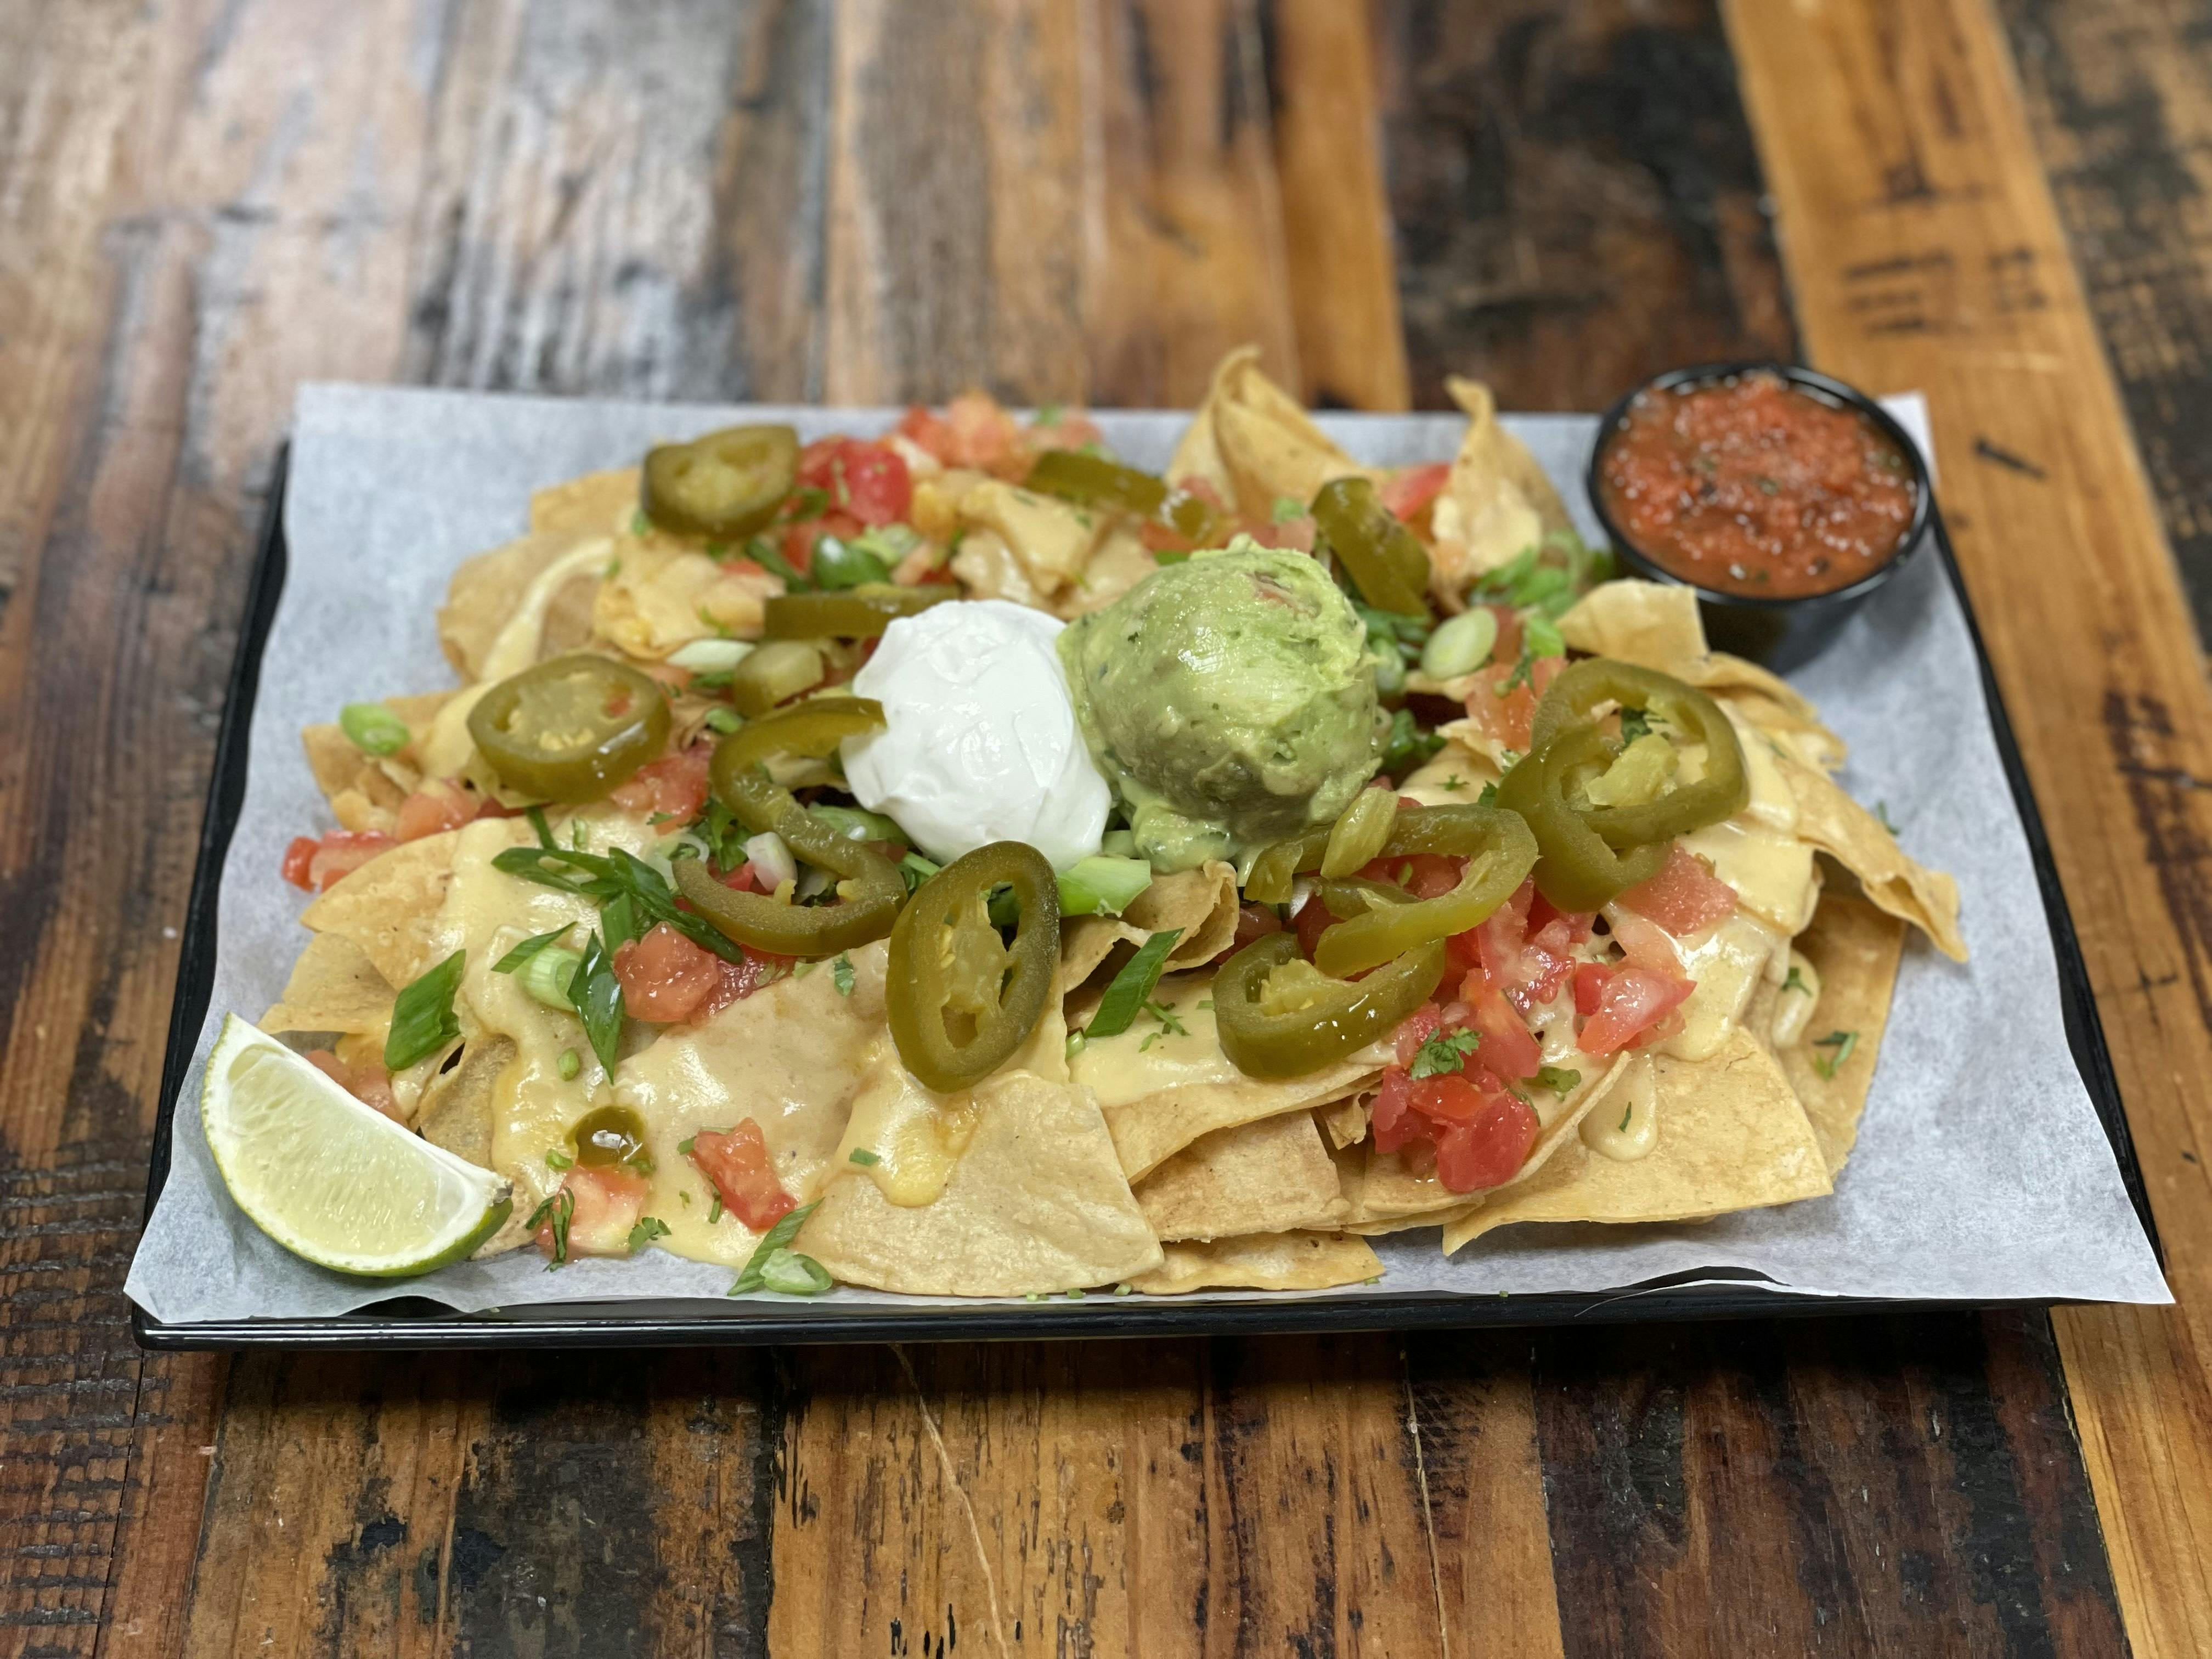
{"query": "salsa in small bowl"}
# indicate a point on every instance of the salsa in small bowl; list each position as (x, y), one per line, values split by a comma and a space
(1783, 496)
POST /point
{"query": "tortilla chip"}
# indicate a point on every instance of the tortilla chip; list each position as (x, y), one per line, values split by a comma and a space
(1855, 948)
(1731, 1136)
(389, 907)
(1496, 504)
(1270, 1177)
(1050, 539)
(597, 504)
(1117, 564)
(1832, 822)
(1345, 1122)
(1652, 624)
(1037, 1203)
(1254, 443)
(1384, 1190)
(486, 590)
(1149, 1131)
(1262, 1261)
(456, 1109)
(334, 987)
(661, 593)
(1200, 902)
(987, 570)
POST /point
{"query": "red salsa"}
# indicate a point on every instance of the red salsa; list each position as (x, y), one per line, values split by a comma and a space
(1749, 485)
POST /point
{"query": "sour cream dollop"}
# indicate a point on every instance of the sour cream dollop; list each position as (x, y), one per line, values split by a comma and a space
(980, 742)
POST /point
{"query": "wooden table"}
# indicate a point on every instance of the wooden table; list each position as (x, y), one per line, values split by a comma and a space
(203, 202)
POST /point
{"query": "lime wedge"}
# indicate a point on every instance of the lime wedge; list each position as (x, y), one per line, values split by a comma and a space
(331, 1179)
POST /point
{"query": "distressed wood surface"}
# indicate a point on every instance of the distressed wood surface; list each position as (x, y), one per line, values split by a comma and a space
(1929, 254)
(203, 202)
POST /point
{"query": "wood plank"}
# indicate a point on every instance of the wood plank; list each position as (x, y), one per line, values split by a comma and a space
(1336, 216)
(2119, 94)
(1927, 252)
(1876, 1466)
(1576, 201)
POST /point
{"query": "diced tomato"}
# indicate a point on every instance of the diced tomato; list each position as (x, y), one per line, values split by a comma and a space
(1448, 1097)
(1253, 922)
(434, 807)
(365, 1080)
(1434, 874)
(1312, 921)
(927, 432)
(298, 859)
(675, 785)
(1424, 1022)
(867, 481)
(665, 977)
(1686, 897)
(736, 981)
(978, 432)
(1392, 1120)
(799, 538)
(1543, 913)
(1504, 709)
(1507, 649)
(1589, 987)
(609, 1201)
(1634, 1000)
(1409, 491)
(1645, 943)
(738, 1164)
(1489, 1149)
(1509, 1048)
(342, 852)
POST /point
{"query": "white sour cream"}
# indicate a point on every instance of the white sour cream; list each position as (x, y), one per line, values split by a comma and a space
(980, 742)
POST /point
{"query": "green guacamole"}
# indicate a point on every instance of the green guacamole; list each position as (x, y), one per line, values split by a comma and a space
(1228, 700)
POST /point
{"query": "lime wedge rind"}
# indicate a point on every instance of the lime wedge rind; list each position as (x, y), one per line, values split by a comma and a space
(331, 1179)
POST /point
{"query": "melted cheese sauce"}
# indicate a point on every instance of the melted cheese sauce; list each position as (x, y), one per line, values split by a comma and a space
(1149, 1057)
(1624, 1125)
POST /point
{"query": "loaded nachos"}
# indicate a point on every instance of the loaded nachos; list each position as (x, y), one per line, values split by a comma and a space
(954, 863)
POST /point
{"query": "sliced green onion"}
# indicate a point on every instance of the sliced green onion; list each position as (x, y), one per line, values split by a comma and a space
(710, 656)
(1102, 885)
(1541, 637)
(775, 1238)
(1133, 987)
(1461, 645)
(789, 1273)
(373, 728)
(546, 975)
(423, 1018)
(568, 1064)
(530, 947)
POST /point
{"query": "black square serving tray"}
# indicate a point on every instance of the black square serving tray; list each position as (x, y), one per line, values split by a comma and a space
(404, 1322)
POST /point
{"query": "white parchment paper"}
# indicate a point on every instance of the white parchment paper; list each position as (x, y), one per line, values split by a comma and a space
(1981, 1171)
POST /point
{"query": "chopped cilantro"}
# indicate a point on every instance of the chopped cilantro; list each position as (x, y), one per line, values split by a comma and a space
(863, 1158)
(1842, 1043)
(1445, 1051)
(1634, 724)
(1796, 982)
(1407, 745)
(557, 1159)
(648, 1229)
(560, 1209)
(1453, 784)
(1882, 817)
(1488, 796)
(1558, 1079)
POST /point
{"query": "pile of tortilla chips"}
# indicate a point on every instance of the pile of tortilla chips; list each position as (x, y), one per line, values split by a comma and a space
(1145, 1159)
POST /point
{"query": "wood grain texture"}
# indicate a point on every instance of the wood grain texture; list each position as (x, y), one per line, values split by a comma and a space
(1929, 253)
(2119, 93)
(1577, 204)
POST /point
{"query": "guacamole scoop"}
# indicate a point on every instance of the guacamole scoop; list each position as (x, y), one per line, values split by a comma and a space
(1228, 700)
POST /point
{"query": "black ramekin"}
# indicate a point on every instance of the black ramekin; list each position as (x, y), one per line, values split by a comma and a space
(1782, 634)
